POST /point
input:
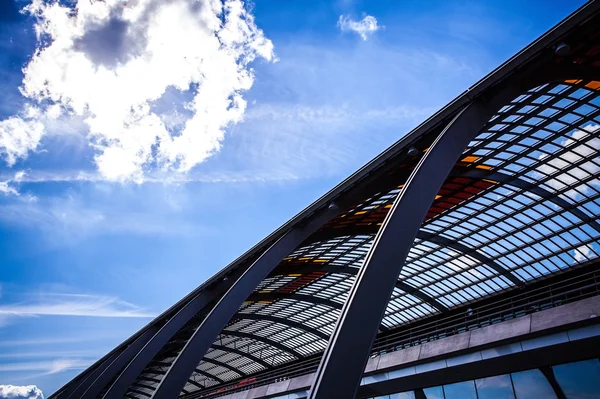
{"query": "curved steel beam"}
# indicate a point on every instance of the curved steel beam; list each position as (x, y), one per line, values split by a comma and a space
(532, 188)
(324, 267)
(409, 289)
(206, 374)
(446, 242)
(224, 365)
(208, 330)
(195, 383)
(139, 384)
(423, 235)
(94, 389)
(551, 378)
(138, 392)
(281, 320)
(274, 296)
(343, 362)
(242, 353)
(162, 337)
(150, 379)
(265, 340)
(84, 379)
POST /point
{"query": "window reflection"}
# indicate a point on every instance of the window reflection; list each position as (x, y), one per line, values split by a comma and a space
(497, 387)
(532, 384)
(434, 393)
(580, 380)
(403, 395)
(460, 390)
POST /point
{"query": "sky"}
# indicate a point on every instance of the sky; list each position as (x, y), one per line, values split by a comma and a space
(145, 144)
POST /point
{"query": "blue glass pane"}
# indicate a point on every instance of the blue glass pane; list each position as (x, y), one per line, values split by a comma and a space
(460, 390)
(434, 393)
(532, 384)
(497, 387)
(403, 395)
(580, 380)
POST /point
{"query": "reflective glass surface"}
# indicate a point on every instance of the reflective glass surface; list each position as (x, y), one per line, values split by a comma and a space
(434, 393)
(460, 390)
(532, 384)
(579, 380)
(403, 395)
(497, 387)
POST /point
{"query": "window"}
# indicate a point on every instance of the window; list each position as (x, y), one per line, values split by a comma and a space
(460, 390)
(580, 379)
(434, 393)
(532, 384)
(497, 387)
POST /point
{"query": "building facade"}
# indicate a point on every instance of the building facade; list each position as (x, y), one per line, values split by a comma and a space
(460, 263)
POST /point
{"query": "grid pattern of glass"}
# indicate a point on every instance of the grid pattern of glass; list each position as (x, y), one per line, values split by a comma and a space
(520, 204)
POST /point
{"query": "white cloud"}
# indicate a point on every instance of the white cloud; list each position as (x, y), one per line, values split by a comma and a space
(365, 27)
(6, 189)
(20, 392)
(18, 136)
(584, 253)
(576, 153)
(7, 186)
(108, 62)
(73, 305)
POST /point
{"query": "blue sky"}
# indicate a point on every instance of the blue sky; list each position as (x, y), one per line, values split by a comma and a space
(96, 238)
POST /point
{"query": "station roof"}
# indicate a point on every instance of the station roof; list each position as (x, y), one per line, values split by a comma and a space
(522, 204)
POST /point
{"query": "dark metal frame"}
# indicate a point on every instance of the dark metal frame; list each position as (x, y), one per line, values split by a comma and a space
(559, 290)
(346, 355)
(191, 330)
(200, 342)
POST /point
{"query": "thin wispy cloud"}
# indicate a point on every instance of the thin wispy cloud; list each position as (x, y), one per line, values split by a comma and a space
(46, 367)
(110, 61)
(364, 27)
(50, 354)
(73, 305)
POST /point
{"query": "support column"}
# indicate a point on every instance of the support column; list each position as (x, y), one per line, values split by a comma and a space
(343, 362)
(145, 356)
(204, 336)
(92, 387)
(82, 380)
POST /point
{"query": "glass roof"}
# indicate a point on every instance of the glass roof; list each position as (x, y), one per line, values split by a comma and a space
(521, 204)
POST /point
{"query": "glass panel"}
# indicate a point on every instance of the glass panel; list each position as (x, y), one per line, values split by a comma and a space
(460, 390)
(579, 380)
(434, 393)
(497, 387)
(403, 395)
(532, 384)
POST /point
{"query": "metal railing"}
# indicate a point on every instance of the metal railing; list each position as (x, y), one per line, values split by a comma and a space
(466, 318)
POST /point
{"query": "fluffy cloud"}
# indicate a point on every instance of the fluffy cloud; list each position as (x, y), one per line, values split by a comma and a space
(365, 27)
(20, 392)
(109, 63)
(19, 135)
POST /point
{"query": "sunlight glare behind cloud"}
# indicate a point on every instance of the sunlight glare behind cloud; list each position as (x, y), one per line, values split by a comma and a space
(109, 61)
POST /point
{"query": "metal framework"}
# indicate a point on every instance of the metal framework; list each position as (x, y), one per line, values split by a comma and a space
(498, 190)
